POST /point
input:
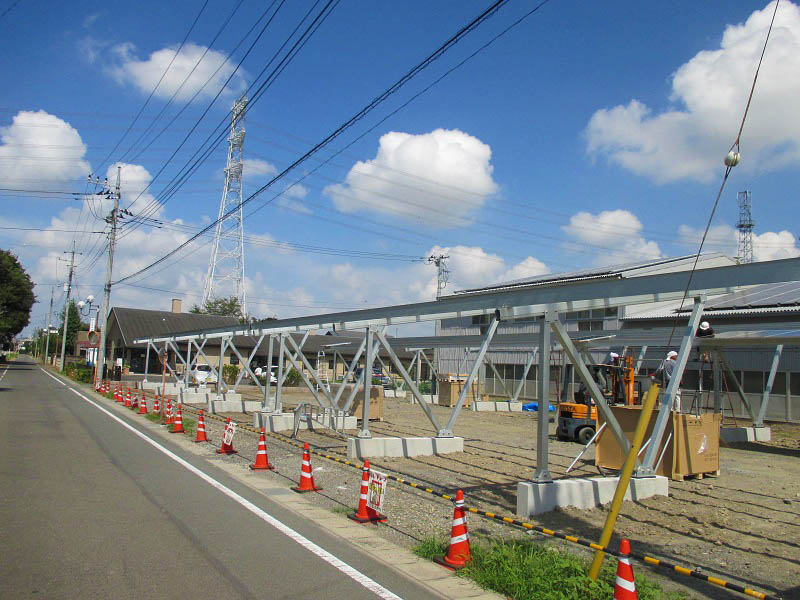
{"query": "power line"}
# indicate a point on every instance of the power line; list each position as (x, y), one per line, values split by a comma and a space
(355, 118)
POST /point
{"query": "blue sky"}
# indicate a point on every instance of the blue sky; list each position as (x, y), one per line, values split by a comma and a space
(590, 133)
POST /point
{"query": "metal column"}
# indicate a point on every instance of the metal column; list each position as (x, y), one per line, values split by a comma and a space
(521, 384)
(762, 411)
(268, 383)
(739, 390)
(542, 474)
(103, 362)
(367, 375)
(281, 359)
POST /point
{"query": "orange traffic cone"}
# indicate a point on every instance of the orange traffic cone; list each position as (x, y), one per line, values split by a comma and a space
(201, 429)
(262, 460)
(306, 474)
(226, 448)
(365, 514)
(458, 555)
(118, 395)
(177, 427)
(143, 405)
(128, 399)
(168, 420)
(625, 587)
(135, 402)
(156, 405)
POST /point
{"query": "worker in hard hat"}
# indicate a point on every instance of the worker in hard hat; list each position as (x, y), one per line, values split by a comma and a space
(666, 370)
(705, 330)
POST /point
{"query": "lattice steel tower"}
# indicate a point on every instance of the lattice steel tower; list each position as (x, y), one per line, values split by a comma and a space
(745, 227)
(226, 268)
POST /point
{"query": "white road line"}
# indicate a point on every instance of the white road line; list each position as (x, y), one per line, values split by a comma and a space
(342, 566)
(4, 374)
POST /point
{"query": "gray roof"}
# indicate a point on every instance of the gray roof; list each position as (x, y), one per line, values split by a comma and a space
(768, 295)
(610, 271)
(135, 323)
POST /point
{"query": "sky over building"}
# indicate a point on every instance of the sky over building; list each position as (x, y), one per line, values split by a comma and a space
(578, 135)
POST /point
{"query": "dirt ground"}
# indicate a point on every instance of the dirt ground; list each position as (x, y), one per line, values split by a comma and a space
(742, 526)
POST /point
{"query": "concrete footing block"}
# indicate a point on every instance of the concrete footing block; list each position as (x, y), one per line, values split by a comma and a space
(428, 398)
(402, 447)
(537, 498)
(285, 422)
(734, 435)
(498, 406)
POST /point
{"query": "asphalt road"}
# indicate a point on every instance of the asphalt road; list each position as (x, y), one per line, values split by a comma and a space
(89, 509)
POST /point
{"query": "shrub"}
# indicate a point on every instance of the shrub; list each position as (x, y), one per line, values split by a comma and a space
(425, 387)
(230, 373)
(293, 378)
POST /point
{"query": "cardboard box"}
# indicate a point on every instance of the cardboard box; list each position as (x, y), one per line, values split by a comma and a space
(693, 448)
(449, 387)
(375, 403)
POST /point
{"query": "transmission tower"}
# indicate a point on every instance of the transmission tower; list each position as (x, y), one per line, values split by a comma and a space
(226, 268)
(745, 227)
(442, 272)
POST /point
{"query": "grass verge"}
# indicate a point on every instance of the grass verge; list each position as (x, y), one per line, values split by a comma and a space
(528, 570)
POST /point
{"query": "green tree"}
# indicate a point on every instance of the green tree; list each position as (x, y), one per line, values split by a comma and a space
(73, 327)
(16, 297)
(226, 307)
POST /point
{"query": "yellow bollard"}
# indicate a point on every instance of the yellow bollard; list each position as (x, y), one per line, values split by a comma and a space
(625, 478)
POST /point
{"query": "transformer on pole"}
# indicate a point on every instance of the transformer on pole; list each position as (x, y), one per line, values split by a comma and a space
(226, 268)
(745, 227)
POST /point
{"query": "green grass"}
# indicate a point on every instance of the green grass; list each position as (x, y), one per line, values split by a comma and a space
(527, 569)
(342, 510)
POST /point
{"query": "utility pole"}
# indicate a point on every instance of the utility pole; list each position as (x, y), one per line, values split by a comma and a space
(442, 277)
(100, 363)
(66, 306)
(49, 323)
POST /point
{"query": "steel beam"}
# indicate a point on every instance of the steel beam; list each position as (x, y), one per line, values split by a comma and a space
(187, 376)
(305, 379)
(502, 383)
(268, 383)
(300, 346)
(762, 411)
(542, 473)
(409, 382)
(314, 374)
(250, 358)
(521, 384)
(490, 331)
(591, 385)
(350, 369)
(281, 360)
(647, 469)
(532, 300)
(640, 359)
(103, 361)
(367, 383)
(199, 348)
(221, 385)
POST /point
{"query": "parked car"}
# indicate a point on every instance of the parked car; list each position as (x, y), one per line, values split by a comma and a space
(261, 372)
(203, 374)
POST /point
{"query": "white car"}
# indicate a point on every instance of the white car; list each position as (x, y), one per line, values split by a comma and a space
(260, 372)
(203, 374)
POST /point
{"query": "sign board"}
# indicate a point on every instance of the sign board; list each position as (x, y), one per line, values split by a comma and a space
(376, 490)
(229, 431)
(92, 323)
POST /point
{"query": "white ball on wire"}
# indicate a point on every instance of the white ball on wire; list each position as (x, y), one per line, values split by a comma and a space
(732, 159)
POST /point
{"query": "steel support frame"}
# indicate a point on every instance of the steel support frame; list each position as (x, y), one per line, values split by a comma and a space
(166, 362)
(250, 358)
(762, 411)
(434, 372)
(591, 385)
(351, 367)
(199, 348)
(221, 385)
(640, 360)
(647, 468)
(188, 372)
(314, 374)
(739, 389)
(509, 395)
(409, 382)
(521, 384)
(180, 356)
(278, 408)
(366, 379)
(267, 383)
(146, 359)
(542, 473)
(447, 431)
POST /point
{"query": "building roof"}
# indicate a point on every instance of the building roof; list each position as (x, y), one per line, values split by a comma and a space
(621, 271)
(137, 323)
(768, 298)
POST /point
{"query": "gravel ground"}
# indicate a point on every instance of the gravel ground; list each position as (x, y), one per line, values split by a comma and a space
(742, 525)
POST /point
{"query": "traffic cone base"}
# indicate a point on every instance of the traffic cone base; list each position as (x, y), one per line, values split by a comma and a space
(262, 459)
(306, 474)
(365, 514)
(625, 586)
(201, 429)
(458, 554)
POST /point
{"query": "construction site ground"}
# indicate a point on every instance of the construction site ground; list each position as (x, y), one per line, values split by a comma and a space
(743, 525)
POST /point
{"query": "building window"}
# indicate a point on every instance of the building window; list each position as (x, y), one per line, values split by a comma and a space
(779, 385)
(234, 359)
(794, 384)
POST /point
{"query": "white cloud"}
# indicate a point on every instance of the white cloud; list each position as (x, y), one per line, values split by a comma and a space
(40, 151)
(195, 65)
(255, 167)
(614, 235)
(770, 245)
(292, 198)
(440, 177)
(690, 139)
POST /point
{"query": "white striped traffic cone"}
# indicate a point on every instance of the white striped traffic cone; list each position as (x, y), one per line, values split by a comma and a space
(458, 554)
(306, 474)
(625, 587)
(365, 514)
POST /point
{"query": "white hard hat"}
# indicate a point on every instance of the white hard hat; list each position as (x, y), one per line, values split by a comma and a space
(614, 355)
(704, 325)
(671, 353)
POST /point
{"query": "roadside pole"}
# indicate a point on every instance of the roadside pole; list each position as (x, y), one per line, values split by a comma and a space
(100, 363)
(49, 323)
(66, 307)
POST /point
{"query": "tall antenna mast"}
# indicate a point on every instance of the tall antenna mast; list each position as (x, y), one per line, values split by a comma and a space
(226, 268)
(745, 227)
(442, 272)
